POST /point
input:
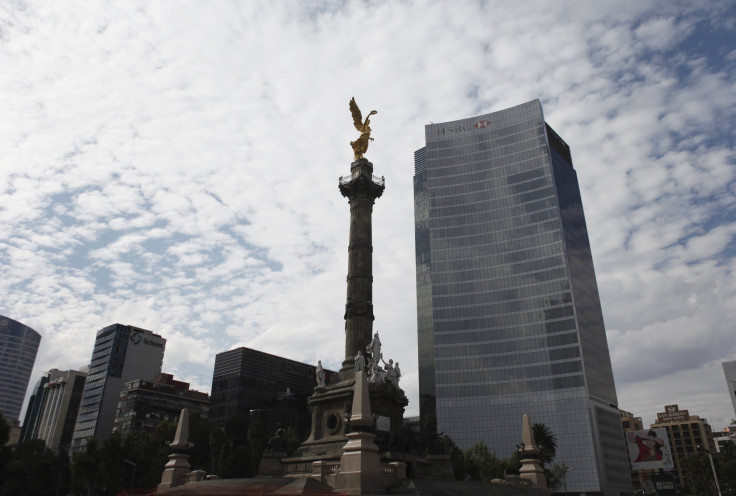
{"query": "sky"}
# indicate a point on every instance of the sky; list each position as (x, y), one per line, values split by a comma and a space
(175, 165)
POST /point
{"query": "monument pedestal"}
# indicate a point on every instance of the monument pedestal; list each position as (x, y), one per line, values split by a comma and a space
(360, 466)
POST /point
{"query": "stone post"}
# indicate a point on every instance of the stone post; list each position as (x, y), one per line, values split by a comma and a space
(531, 470)
(177, 468)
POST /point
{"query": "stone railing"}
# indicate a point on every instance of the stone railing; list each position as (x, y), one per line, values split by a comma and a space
(380, 181)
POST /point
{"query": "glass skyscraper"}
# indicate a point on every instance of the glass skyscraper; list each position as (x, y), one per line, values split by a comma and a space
(18, 348)
(509, 317)
(122, 353)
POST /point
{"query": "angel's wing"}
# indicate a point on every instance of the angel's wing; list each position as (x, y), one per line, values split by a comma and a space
(357, 116)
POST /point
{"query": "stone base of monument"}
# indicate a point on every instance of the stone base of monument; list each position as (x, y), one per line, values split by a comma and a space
(176, 471)
(360, 466)
(271, 463)
(531, 472)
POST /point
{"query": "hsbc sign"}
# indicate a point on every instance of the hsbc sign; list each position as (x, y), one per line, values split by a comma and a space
(461, 128)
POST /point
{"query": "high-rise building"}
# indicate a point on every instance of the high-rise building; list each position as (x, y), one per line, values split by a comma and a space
(18, 348)
(509, 317)
(121, 353)
(729, 370)
(33, 410)
(246, 380)
(52, 409)
(144, 404)
(688, 435)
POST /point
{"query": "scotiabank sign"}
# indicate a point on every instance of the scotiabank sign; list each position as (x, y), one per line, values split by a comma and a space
(672, 413)
(136, 338)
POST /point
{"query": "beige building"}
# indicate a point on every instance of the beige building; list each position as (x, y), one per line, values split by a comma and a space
(687, 433)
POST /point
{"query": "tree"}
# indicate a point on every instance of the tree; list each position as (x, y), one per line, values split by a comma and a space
(481, 464)
(456, 457)
(559, 472)
(546, 442)
(32, 469)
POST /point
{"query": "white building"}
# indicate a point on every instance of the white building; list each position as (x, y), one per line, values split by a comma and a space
(122, 353)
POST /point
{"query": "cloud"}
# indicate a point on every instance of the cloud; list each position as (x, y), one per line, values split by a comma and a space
(176, 169)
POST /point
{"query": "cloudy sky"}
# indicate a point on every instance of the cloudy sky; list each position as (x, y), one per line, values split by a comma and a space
(174, 166)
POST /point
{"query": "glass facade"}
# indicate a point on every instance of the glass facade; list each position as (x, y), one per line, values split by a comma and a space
(247, 381)
(509, 318)
(122, 353)
(18, 348)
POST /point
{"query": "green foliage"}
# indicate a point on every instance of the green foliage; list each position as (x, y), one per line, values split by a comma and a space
(456, 456)
(546, 442)
(32, 469)
(697, 472)
(558, 473)
(512, 464)
(429, 424)
(481, 464)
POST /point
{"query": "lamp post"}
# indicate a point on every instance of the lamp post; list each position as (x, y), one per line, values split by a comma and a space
(712, 467)
(564, 478)
(132, 475)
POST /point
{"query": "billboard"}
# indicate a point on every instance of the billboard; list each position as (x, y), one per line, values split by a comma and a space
(649, 449)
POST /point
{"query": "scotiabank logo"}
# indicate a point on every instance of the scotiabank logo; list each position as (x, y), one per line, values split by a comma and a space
(136, 338)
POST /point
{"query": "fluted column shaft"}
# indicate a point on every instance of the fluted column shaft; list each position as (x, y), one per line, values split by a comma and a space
(361, 189)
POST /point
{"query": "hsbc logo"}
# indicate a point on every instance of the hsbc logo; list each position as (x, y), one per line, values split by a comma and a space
(462, 128)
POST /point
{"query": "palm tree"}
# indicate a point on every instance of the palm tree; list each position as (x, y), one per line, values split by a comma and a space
(546, 442)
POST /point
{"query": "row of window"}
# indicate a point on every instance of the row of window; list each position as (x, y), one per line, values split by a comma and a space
(529, 260)
(493, 224)
(519, 387)
(484, 321)
(447, 335)
(500, 354)
(480, 180)
(458, 162)
(503, 375)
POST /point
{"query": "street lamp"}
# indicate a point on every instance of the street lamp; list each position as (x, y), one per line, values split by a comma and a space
(132, 475)
(564, 478)
(712, 466)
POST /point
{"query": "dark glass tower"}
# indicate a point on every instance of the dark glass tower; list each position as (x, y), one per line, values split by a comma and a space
(508, 310)
(18, 347)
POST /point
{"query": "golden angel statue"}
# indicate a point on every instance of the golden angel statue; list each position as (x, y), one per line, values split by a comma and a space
(360, 146)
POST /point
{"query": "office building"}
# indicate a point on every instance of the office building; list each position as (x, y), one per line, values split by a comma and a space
(33, 410)
(145, 404)
(729, 370)
(509, 317)
(273, 388)
(687, 434)
(18, 348)
(723, 438)
(121, 353)
(52, 409)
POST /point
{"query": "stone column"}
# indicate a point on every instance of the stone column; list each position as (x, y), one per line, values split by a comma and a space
(361, 189)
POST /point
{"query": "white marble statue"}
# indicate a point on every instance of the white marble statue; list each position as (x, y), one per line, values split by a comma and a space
(391, 373)
(374, 348)
(320, 373)
(359, 362)
(377, 373)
